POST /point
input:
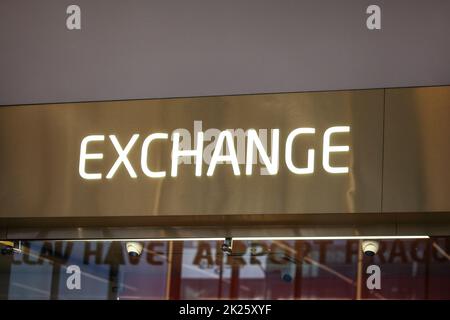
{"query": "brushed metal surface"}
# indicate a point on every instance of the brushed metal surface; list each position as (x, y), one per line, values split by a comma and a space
(40, 148)
(288, 225)
(203, 232)
(417, 150)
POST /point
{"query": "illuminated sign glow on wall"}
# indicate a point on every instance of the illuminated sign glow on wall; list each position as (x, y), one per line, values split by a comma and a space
(282, 153)
(224, 140)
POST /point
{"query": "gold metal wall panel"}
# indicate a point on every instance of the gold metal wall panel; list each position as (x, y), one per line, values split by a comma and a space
(40, 149)
(417, 150)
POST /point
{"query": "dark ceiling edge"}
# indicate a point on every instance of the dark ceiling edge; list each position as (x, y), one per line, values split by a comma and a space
(219, 95)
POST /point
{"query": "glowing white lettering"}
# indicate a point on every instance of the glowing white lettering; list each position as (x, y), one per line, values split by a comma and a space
(197, 153)
(86, 156)
(327, 149)
(122, 156)
(217, 156)
(289, 142)
(144, 155)
(220, 148)
(253, 139)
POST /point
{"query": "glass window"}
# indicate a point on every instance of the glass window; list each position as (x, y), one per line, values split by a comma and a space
(316, 269)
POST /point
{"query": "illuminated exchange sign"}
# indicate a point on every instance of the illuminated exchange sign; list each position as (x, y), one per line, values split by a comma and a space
(224, 141)
(257, 154)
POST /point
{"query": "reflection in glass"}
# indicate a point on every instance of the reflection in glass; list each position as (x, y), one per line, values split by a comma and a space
(322, 269)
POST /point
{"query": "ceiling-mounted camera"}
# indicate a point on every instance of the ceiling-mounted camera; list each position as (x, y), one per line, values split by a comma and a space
(370, 247)
(134, 249)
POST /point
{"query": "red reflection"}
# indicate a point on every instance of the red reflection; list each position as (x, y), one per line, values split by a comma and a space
(326, 269)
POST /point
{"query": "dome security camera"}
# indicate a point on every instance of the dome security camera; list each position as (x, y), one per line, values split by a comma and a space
(370, 247)
(134, 249)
